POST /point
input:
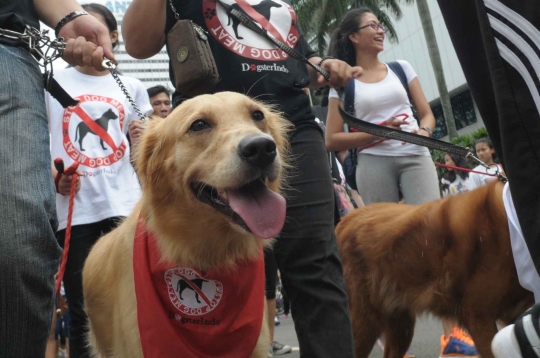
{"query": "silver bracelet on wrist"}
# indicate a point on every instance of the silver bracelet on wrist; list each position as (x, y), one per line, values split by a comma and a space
(428, 130)
(68, 18)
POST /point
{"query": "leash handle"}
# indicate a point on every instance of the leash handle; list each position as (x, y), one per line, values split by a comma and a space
(72, 170)
(59, 165)
(60, 168)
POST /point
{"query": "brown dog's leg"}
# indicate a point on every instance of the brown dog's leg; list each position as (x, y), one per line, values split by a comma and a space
(366, 329)
(482, 331)
(399, 333)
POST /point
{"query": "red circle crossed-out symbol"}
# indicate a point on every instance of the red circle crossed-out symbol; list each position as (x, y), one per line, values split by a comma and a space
(74, 153)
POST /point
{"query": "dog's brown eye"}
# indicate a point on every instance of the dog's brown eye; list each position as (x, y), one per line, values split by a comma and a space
(258, 115)
(199, 125)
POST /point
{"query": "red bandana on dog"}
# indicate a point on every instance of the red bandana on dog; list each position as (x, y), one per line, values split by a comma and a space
(184, 313)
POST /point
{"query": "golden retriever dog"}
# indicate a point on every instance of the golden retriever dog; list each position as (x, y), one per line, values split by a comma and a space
(210, 175)
(450, 257)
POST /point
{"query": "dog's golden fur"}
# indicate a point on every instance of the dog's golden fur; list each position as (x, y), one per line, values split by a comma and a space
(169, 159)
(450, 257)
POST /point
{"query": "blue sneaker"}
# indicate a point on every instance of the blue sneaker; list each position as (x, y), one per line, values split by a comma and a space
(457, 345)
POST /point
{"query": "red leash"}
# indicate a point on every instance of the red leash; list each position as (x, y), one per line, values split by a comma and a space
(464, 169)
(72, 170)
(383, 123)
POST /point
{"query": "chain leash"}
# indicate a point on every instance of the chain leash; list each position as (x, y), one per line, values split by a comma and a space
(111, 66)
(45, 50)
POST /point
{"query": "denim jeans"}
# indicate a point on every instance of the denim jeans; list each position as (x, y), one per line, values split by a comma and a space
(29, 253)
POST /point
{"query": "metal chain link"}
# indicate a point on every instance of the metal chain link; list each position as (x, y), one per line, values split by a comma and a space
(111, 66)
(176, 16)
(44, 49)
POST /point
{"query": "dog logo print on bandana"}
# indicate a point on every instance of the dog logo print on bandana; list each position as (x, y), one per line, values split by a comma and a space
(191, 294)
(275, 16)
(200, 315)
(92, 131)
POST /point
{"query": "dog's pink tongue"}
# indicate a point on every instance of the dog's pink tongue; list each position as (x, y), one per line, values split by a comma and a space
(262, 210)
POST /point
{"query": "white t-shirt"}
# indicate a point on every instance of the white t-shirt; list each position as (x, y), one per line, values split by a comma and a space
(459, 185)
(109, 185)
(477, 180)
(377, 102)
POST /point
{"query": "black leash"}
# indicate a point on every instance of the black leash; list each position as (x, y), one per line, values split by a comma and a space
(389, 133)
(432, 143)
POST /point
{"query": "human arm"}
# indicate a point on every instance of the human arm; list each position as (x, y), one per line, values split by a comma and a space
(337, 140)
(422, 107)
(87, 39)
(340, 73)
(143, 27)
(341, 156)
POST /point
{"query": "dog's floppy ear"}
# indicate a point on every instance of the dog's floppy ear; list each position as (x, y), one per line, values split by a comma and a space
(148, 152)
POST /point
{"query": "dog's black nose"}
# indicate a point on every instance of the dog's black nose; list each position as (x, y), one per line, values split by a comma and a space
(259, 151)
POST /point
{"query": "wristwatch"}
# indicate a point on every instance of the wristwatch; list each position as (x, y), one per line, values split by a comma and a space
(428, 130)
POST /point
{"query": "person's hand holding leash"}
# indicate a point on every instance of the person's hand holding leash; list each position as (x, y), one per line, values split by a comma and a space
(135, 128)
(87, 42)
(64, 184)
(63, 178)
(394, 123)
(340, 73)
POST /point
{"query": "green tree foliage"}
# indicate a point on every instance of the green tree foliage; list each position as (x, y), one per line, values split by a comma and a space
(466, 140)
(319, 18)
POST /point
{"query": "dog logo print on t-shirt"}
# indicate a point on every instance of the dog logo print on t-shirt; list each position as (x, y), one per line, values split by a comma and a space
(275, 16)
(92, 131)
(83, 129)
(192, 294)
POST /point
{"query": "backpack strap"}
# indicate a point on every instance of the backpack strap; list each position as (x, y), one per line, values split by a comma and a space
(349, 96)
(395, 66)
(398, 70)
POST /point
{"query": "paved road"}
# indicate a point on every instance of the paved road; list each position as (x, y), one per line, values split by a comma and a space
(425, 342)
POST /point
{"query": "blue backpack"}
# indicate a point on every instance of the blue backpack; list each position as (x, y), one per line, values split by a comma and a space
(351, 160)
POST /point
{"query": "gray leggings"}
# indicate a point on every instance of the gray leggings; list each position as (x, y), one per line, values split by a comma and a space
(379, 179)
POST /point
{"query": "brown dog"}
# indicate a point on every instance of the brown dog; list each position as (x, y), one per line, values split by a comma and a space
(450, 257)
(209, 172)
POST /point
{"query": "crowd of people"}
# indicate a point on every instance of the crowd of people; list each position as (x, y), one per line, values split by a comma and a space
(102, 130)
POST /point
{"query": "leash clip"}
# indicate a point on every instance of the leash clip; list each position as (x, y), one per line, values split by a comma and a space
(108, 64)
(498, 173)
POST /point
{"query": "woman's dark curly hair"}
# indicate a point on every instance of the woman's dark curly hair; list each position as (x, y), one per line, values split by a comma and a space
(460, 162)
(342, 47)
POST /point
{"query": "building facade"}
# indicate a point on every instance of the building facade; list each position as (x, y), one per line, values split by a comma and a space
(412, 47)
(152, 71)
